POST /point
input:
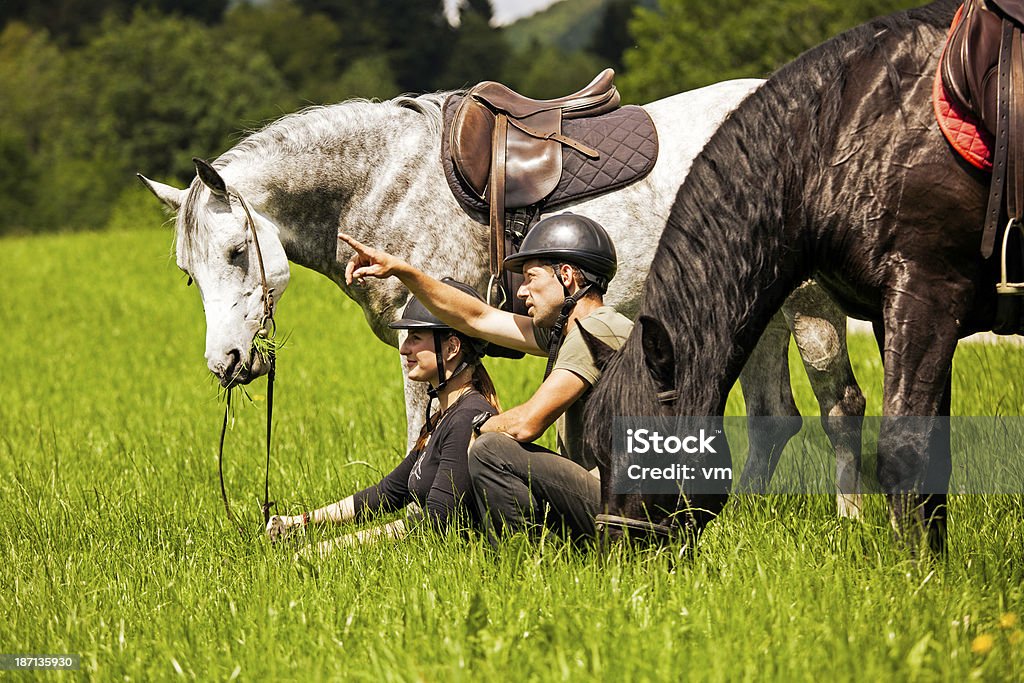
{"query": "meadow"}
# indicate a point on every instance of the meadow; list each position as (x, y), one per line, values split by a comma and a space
(114, 544)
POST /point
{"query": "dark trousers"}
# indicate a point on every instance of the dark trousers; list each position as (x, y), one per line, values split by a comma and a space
(522, 487)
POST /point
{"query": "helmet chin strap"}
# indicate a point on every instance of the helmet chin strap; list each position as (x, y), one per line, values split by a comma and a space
(442, 380)
(555, 342)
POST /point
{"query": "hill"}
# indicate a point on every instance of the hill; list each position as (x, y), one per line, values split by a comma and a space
(568, 24)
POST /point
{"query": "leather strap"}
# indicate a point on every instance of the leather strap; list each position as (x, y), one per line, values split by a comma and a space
(268, 302)
(268, 320)
(558, 137)
(555, 341)
(220, 468)
(1015, 171)
(497, 207)
(999, 161)
(267, 504)
(668, 397)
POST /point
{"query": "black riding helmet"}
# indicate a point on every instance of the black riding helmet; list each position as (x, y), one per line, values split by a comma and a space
(578, 241)
(416, 316)
(574, 239)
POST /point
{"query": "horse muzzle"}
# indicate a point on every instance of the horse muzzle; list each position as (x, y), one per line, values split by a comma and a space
(234, 370)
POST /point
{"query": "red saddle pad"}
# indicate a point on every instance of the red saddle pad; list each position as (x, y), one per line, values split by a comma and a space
(963, 131)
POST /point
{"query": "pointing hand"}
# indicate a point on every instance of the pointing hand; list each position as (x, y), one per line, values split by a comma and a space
(368, 262)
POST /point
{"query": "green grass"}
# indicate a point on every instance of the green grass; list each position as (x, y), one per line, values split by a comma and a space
(114, 543)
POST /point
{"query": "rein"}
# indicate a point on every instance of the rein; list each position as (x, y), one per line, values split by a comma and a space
(267, 321)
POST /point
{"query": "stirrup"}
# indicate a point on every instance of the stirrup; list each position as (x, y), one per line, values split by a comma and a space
(1004, 287)
(494, 285)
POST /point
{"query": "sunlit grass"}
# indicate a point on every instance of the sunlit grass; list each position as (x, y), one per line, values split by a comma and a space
(114, 543)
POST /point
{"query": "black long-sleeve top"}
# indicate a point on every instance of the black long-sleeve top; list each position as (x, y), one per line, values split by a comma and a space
(436, 479)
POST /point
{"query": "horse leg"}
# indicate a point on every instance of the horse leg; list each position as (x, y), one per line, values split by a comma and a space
(767, 392)
(940, 466)
(819, 328)
(914, 466)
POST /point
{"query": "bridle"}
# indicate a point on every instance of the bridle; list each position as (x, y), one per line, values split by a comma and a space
(603, 522)
(266, 322)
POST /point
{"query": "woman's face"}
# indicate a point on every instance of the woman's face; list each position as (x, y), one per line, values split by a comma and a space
(418, 355)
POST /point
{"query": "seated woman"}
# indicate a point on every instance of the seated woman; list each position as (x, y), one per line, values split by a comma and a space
(435, 474)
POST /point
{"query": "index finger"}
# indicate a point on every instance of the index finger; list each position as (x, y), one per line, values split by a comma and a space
(352, 242)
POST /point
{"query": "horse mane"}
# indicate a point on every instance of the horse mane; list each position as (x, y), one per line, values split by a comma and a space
(302, 130)
(306, 127)
(727, 238)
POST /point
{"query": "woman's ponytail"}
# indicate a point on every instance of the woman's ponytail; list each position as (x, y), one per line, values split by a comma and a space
(481, 380)
(482, 383)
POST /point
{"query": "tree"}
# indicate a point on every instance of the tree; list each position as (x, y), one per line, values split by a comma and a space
(21, 182)
(479, 52)
(369, 77)
(72, 22)
(301, 46)
(414, 35)
(419, 41)
(156, 87)
(612, 36)
(207, 11)
(31, 71)
(31, 74)
(148, 95)
(686, 44)
(547, 72)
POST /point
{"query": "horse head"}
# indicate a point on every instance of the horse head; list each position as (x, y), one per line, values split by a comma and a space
(656, 518)
(236, 259)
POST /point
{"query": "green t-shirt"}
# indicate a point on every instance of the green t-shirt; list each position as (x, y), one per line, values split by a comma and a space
(610, 327)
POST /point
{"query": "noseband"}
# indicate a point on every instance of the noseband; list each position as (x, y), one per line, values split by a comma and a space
(265, 323)
(604, 522)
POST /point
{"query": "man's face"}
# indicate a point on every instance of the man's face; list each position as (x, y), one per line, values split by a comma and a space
(542, 291)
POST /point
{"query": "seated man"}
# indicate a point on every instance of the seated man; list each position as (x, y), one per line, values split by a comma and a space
(567, 261)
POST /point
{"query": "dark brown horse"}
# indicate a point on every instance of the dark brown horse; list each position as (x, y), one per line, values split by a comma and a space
(834, 169)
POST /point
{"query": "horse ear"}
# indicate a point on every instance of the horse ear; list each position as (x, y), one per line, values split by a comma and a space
(208, 174)
(172, 197)
(659, 354)
(599, 351)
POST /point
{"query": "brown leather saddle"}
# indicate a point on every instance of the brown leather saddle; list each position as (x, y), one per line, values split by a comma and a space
(506, 153)
(982, 69)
